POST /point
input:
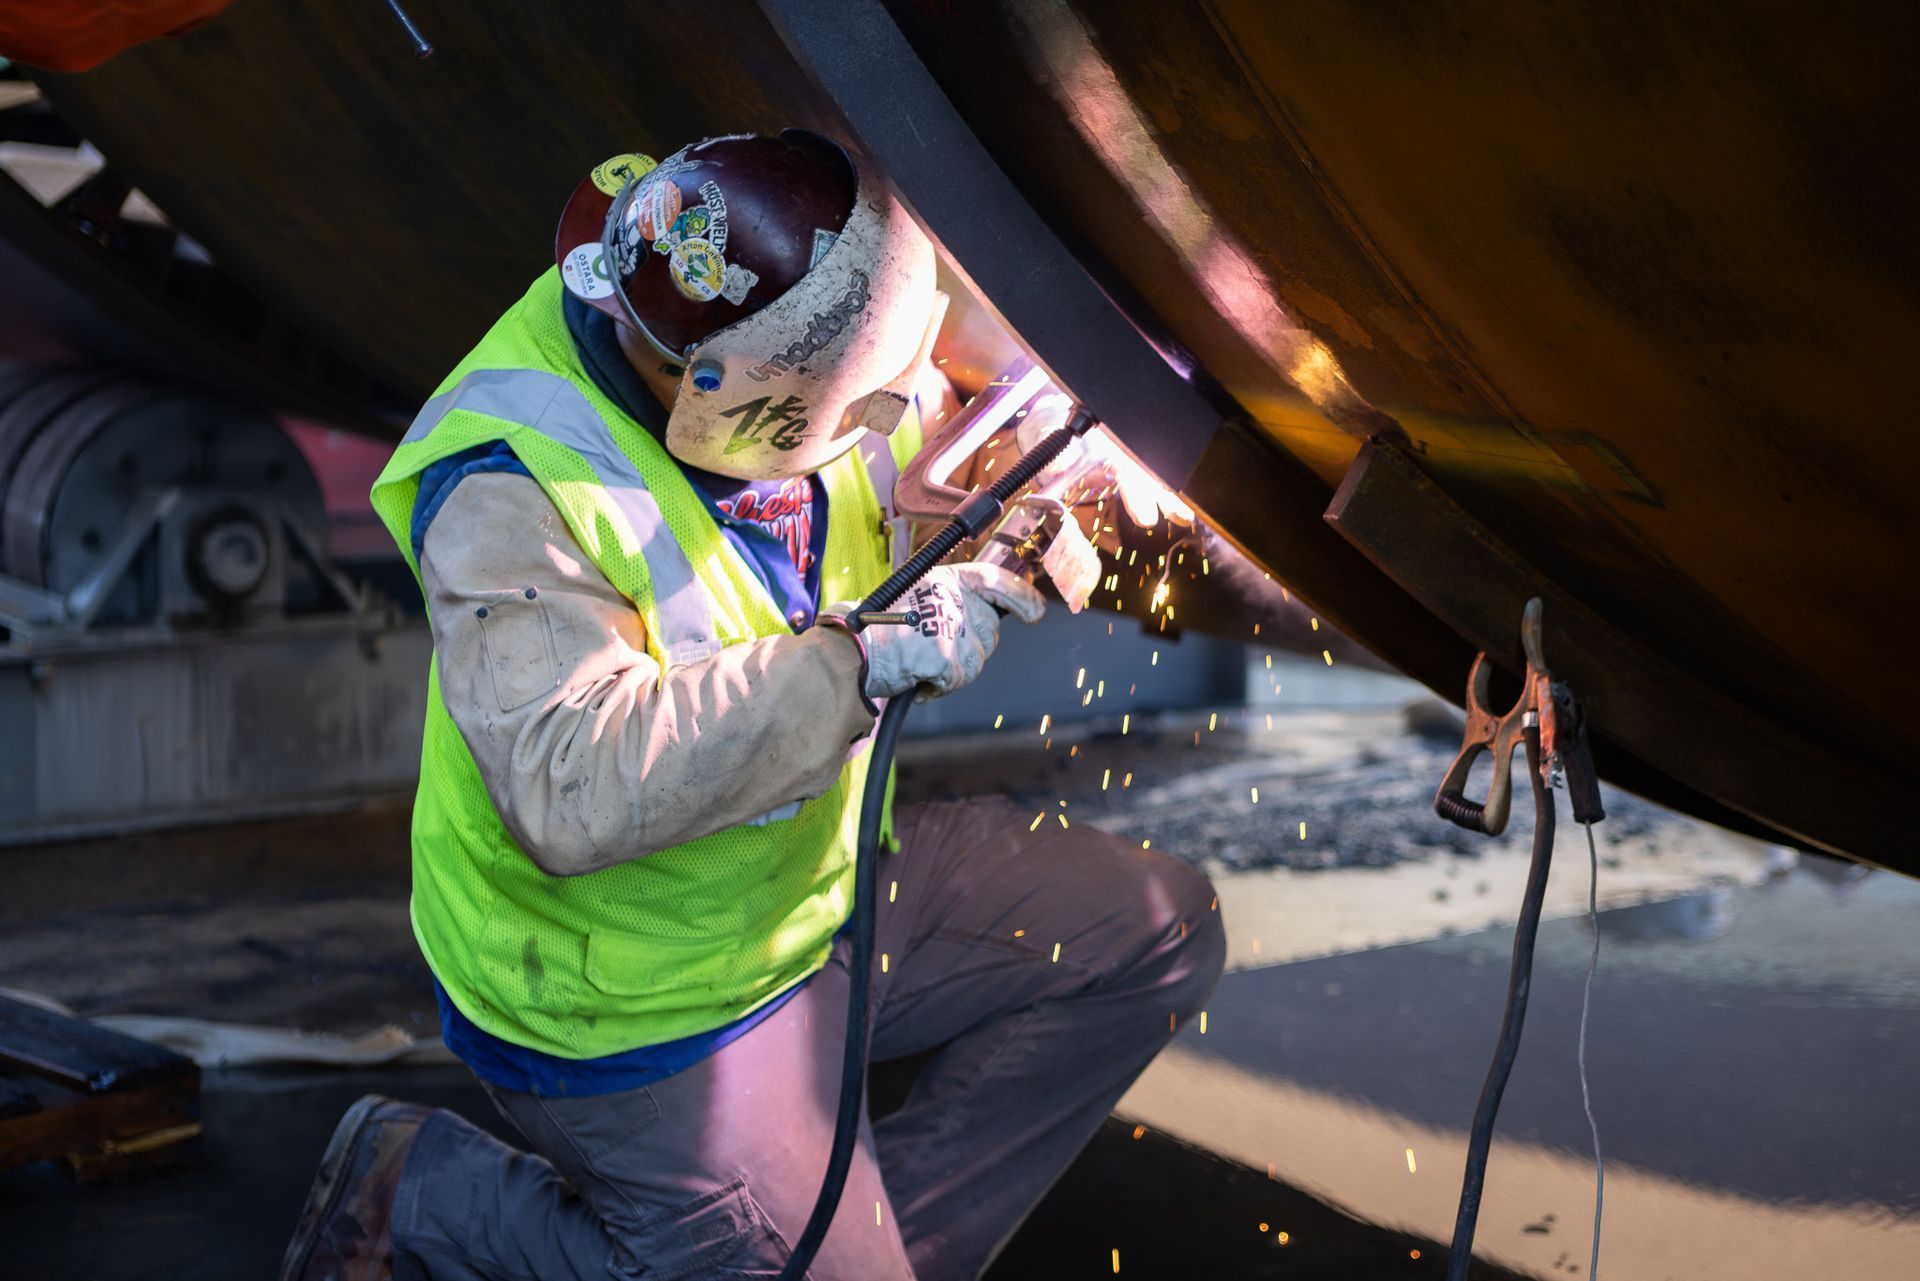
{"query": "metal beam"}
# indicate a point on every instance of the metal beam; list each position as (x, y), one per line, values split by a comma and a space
(858, 56)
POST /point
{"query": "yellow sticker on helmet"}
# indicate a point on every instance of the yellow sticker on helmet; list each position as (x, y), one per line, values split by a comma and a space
(611, 175)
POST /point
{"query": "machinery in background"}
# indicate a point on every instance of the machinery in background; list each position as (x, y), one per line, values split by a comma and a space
(164, 573)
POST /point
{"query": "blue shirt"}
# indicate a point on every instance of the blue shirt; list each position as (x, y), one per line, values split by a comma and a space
(780, 530)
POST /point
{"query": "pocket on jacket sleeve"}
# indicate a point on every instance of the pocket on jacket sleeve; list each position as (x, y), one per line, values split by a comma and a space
(517, 638)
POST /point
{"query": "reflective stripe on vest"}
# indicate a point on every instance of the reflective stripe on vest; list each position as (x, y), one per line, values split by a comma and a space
(554, 407)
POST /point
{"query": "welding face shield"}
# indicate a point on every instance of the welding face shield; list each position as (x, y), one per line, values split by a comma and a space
(794, 293)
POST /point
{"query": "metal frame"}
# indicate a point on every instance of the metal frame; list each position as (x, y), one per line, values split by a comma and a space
(857, 54)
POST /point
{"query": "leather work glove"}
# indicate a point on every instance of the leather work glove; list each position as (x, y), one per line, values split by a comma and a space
(959, 608)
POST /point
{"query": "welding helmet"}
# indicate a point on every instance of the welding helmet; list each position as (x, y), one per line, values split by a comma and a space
(793, 292)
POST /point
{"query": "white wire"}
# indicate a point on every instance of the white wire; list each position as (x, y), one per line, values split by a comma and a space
(1586, 1004)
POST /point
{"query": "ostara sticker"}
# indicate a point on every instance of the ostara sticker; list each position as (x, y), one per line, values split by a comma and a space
(611, 175)
(584, 271)
(698, 272)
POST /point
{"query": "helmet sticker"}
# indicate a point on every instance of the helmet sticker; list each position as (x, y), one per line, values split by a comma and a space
(823, 240)
(658, 204)
(739, 279)
(698, 271)
(821, 330)
(787, 421)
(611, 175)
(584, 270)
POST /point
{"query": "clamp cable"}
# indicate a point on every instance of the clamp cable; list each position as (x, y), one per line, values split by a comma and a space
(1586, 1004)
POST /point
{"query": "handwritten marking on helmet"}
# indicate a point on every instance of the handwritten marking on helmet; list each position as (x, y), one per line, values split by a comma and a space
(787, 419)
(821, 330)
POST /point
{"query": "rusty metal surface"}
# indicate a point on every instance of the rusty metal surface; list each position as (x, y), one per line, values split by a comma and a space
(1635, 288)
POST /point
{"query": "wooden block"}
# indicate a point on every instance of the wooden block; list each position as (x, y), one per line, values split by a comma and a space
(105, 1103)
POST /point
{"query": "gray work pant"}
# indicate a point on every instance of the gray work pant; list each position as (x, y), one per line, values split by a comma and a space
(713, 1171)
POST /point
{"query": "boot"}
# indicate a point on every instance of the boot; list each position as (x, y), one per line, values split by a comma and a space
(343, 1233)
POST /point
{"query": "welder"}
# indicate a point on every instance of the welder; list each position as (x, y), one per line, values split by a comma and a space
(631, 509)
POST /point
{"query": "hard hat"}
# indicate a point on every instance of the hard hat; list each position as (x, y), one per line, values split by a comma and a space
(795, 294)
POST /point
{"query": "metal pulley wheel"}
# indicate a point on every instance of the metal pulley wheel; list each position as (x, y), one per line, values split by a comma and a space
(81, 450)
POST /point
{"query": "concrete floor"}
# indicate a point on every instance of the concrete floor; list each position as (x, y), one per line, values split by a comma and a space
(1753, 1034)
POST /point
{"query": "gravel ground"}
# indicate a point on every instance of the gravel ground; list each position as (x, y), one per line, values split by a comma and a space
(1362, 782)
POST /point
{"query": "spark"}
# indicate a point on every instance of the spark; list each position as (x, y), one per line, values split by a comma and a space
(999, 718)
(1411, 1167)
(1203, 1023)
(1328, 655)
(1139, 1130)
(1046, 721)
(1282, 1238)
(1269, 662)
(876, 1214)
(1256, 796)
(1204, 567)
(1146, 845)
(1100, 689)
(1125, 720)
(1155, 660)
(1264, 1229)
(1087, 698)
(1413, 1254)
(1128, 780)
(1303, 829)
(1038, 819)
(1315, 623)
(1080, 678)
(1106, 776)
(893, 892)
(1213, 719)
(883, 962)
(1074, 750)
(1019, 934)
(1159, 598)
(1062, 818)
(1131, 556)
(1256, 629)
(1056, 953)
(1116, 1259)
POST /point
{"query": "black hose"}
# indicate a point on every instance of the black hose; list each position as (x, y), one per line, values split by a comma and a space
(853, 1063)
(971, 521)
(1519, 982)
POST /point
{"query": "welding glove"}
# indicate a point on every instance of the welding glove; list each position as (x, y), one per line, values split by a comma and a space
(1098, 459)
(959, 608)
